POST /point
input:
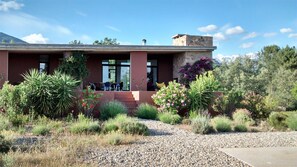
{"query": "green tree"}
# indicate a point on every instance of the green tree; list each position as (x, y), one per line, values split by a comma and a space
(75, 65)
(75, 42)
(106, 41)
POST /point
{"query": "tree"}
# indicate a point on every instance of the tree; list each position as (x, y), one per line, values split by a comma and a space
(106, 41)
(75, 42)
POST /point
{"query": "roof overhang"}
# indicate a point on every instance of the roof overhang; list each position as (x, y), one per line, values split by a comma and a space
(101, 49)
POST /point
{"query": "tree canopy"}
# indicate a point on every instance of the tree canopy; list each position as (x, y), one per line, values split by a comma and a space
(106, 41)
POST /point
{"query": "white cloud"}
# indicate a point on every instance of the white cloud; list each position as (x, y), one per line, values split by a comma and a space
(250, 35)
(85, 37)
(269, 34)
(208, 28)
(285, 30)
(234, 30)
(247, 45)
(219, 36)
(29, 23)
(293, 35)
(252, 55)
(35, 39)
(222, 57)
(7, 5)
(113, 28)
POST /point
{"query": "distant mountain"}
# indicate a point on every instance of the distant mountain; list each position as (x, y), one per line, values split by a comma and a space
(4, 38)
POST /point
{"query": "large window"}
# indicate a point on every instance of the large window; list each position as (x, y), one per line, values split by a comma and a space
(152, 74)
(43, 64)
(116, 72)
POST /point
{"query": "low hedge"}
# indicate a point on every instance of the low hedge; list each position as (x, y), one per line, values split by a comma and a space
(279, 120)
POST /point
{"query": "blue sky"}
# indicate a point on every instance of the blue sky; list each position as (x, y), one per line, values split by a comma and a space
(239, 26)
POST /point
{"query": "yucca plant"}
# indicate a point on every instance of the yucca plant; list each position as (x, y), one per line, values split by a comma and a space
(201, 91)
(49, 95)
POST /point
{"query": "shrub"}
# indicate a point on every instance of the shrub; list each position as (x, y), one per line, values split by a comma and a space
(88, 100)
(278, 120)
(41, 130)
(255, 104)
(84, 125)
(242, 116)
(222, 124)
(201, 91)
(146, 111)
(4, 122)
(4, 145)
(172, 98)
(201, 124)
(189, 72)
(186, 121)
(134, 128)
(49, 95)
(125, 124)
(112, 109)
(291, 122)
(19, 120)
(169, 118)
(114, 138)
(240, 128)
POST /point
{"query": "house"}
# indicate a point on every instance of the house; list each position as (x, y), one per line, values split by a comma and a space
(131, 65)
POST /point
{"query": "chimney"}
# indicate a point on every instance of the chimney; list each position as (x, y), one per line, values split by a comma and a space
(144, 42)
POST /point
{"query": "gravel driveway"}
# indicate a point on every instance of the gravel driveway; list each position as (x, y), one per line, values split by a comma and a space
(171, 146)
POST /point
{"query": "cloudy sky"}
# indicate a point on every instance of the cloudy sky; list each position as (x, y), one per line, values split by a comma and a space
(238, 26)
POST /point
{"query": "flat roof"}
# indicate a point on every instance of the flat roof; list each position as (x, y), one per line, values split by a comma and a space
(100, 48)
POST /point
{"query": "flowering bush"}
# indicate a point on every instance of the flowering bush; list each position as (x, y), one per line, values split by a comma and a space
(88, 100)
(172, 98)
(188, 72)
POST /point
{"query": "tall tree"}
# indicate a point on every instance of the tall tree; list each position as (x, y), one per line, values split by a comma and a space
(106, 41)
(75, 42)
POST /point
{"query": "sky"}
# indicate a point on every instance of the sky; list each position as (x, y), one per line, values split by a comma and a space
(239, 27)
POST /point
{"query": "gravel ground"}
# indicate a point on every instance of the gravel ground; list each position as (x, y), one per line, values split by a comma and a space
(171, 146)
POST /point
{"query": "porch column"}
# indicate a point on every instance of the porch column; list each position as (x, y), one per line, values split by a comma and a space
(138, 71)
(3, 67)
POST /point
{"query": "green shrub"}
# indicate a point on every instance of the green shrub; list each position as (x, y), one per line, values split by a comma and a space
(201, 90)
(125, 124)
(4, 145)
(146, 111)
(19, 120)
(172, 98)
(222, 124)
(169, 118)
(134, 128)
(201, 124)
(291, 121)
(114, 138)
(49, 95)
(186, 121)
(112, 109)
(84, 125)
(278, 120)
(4, 122)
(240, 128)
(41, 130)
(242, 116)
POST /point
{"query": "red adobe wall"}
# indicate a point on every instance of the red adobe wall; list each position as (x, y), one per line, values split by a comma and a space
(20, 64)
(94, 65)
(143, 97)
(165, 68)
(138, 71)
(54, 61)
(3, 67)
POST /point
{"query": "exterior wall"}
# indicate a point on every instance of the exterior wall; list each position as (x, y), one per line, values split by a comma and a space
(54, 61)
(143, 97)
(94, 65)
(182, 59)
(3, 67)
(165, 68)
(193, 40)
(138, 71)
(20, 64)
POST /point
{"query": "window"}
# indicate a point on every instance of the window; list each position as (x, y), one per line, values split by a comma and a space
(152, 74)
(43, 64)
(116, 72)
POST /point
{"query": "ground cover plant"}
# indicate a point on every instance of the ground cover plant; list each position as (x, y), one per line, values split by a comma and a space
(112, 109)
(169, 118)
(146, 111)
(201, 124)
(222, 124)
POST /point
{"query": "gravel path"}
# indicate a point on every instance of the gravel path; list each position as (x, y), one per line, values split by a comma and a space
(171, 146)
